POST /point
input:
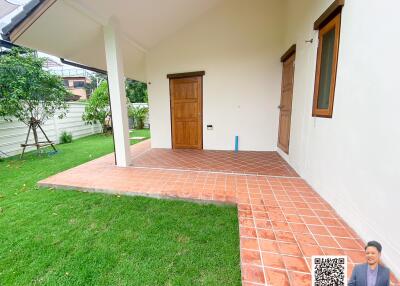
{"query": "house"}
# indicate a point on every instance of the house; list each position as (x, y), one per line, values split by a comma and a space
(313, 80)
(75, 79)
(77, 85)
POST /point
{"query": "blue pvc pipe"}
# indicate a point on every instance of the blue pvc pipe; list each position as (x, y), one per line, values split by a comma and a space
(236, 144)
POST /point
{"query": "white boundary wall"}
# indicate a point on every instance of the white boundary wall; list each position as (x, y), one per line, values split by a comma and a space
(13, 134)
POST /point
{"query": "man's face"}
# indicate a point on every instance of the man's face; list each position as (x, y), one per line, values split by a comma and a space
(372, 254)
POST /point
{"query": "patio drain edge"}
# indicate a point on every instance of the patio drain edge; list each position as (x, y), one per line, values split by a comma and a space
(134, 194)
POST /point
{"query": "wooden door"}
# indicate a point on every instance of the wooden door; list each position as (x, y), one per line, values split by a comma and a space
(186, 112)
(286, 103)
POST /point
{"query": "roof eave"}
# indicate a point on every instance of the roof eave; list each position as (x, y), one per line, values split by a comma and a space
(23, 20)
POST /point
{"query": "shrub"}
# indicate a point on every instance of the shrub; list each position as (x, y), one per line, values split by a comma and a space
(66, 137)
(97, 109)
(138, 114)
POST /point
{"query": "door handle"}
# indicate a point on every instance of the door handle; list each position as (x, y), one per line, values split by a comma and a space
(280, 106)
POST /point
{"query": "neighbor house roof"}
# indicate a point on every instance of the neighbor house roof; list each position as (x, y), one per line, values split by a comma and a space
(27, 10)
(6, 8)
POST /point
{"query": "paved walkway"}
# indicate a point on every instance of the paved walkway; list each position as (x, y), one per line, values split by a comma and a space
(282, 220)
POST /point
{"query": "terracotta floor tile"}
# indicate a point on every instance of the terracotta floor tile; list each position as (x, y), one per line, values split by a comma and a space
(247, 231)
(328, 241)
(305, 212)
(268, 245)
(318, 229)
(299, 279)
(348, 243)
(276, 216)
(330, 222)
(285, 236)
(278, 225)
(252, 273)
(333, 251)
(305, 238)
(310, 250)
(276, 277)
(250, 257)
(263, 224)
(246, 222)
(289, 249)
(273, 260)
(299, 227)
(262, 163)
(312, 220)
(260, 215)
(295, 263)
(293, 218)
(249, 243)
(265, 234)
(339, 231)
(325, 214)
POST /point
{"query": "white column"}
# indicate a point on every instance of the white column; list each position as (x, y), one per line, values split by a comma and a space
(116, 82)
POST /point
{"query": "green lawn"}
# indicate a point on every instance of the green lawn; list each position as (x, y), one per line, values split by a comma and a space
(52, 237)
(139, 133)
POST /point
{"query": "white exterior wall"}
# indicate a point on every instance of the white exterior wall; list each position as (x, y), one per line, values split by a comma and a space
(13, 134)
(352, 160)
(238, 44)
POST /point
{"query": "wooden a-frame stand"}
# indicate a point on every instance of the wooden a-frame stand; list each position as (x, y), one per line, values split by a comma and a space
(33, 125)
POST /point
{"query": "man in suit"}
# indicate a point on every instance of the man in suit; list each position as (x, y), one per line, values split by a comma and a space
(371, 273)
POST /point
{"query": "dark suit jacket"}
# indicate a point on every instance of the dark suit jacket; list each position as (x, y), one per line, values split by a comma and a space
(359, 276)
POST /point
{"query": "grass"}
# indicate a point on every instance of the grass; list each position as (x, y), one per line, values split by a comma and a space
(139, 133)
(52, 237)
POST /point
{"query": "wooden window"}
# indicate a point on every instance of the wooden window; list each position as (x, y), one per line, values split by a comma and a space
(325, 78)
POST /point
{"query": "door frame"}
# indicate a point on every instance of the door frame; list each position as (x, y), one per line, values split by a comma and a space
(183, 75)
(289, 53)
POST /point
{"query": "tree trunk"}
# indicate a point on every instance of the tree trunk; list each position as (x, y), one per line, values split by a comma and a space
(35, 136)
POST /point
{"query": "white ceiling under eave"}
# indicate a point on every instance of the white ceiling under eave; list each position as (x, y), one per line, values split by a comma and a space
(73, 29)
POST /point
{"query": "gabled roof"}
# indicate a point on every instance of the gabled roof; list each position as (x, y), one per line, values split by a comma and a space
(6, 8)
(74, 29)
(27, 10)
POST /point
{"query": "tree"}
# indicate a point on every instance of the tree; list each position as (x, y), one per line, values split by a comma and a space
(136, 91)
(95, 80)
(97, 109)
(29, 93)
(138, 114)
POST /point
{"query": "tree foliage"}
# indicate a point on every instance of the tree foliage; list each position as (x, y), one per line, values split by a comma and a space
(95, 80)
(97, 109)
(28, 91)
(139, 114)
(136, 91)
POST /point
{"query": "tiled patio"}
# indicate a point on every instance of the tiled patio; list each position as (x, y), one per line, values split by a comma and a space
(245, 162)
(283, 222)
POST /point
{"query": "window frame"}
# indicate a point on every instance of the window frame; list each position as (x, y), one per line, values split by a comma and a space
(333, 23)
(79, 84)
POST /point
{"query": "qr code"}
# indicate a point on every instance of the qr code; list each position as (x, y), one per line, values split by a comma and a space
(329, 270)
